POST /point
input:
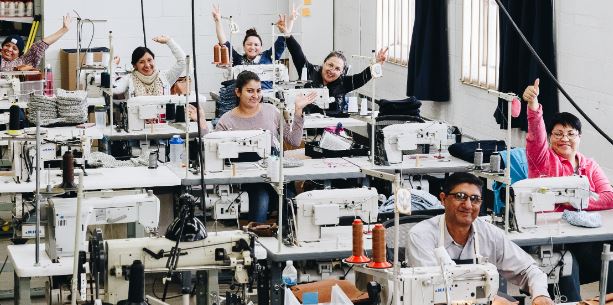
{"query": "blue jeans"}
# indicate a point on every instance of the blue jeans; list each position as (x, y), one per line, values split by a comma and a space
(259, 201)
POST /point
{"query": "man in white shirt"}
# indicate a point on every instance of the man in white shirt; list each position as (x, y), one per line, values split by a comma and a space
(467, 237)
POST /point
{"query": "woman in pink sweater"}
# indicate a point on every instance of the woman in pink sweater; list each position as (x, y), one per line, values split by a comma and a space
(560, 157)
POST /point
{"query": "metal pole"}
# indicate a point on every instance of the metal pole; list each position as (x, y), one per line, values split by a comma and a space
(372, 117)
(507, 172)
(111, 80)
(396, 239)
(606, 257)
(77, 241)
(78, 52)
(281, 178)
(187, 62)
(37, 196)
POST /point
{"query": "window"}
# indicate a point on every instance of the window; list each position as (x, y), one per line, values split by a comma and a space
(395, 20)
(480, 43)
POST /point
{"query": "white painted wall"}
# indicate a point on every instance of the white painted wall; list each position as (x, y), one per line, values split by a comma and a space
(173, 18)
(585, 62)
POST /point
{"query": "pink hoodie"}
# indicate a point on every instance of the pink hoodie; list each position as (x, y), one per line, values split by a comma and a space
(544, 162)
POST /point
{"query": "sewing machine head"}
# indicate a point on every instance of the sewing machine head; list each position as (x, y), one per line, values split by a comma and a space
(221, 145)
(289, 97)
(98, 208)
(541, 194)
(467, 284)
(267, 72)
(325, 207)
(399, 138)
(141, 108)
(9, 87)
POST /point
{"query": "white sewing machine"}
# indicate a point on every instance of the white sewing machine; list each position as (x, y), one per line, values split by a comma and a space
(91, 81)
(226, 203)
(221, 145)
(221, 250)
(289, 98)
(536, 195)
(141, 108)
(469, 284)
(267, 72)
(405, 137)
(325, 207)
(102, 207)
(9, 87)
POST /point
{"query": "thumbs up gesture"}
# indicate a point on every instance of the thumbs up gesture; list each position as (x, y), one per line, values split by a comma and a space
(530, 95)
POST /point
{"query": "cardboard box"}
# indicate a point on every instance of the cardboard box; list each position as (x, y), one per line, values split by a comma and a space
(68, 65)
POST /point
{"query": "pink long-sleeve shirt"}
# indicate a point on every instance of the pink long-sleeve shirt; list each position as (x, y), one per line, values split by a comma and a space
(544, 162)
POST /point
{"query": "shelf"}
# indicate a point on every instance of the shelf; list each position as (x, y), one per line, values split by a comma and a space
(17, 19)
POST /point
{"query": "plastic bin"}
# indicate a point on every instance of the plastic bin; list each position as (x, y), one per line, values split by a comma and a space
(29, 87)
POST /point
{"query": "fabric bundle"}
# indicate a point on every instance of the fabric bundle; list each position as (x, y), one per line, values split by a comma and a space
(46, 106)
(72, 106)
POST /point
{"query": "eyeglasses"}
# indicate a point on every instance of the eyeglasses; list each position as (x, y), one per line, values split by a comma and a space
(461, 196)
(559, 135)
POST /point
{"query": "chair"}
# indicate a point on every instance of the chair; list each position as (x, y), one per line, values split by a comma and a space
(519, 171)
(406, 223)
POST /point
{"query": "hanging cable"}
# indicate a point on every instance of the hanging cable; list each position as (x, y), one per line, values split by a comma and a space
(199, 141)
(553, 78)
(142, 15)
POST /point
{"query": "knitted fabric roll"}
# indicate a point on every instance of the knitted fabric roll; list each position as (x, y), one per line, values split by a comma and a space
(72, 105)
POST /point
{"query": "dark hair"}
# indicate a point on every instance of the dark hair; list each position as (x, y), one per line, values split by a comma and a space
(459, 178)
(244, 77)
(139, 52)
(339, 55)
(565, 119)
(17, 40)
(251, 32)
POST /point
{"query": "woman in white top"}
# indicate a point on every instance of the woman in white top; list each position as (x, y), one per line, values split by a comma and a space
(146, 79)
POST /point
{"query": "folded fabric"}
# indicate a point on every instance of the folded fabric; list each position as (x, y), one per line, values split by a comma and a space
(583, 218)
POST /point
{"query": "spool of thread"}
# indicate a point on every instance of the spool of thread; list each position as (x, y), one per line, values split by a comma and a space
(515, 108)
(225, 55)
(495, 162)
(170, 112)
(216, 54)
(68, 171)
(357, 252)
(136, 288)
(478, 159)
(180, 114)
(14, 122)
(379, 260)
(153, 159)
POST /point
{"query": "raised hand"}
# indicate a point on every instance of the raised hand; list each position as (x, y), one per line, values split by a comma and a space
(163, 39)
(382, 55)
(216, 13)
(304, 100)
(531, 95)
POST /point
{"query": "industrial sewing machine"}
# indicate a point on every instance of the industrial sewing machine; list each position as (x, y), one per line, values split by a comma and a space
(222, 250)
(226, 203)
(536, 195)
(221, 145)
(325, 207)
(268, 72)
(289, 98)
(9, 87)
(467, 284)
(399, 138)
(98, 208)
(140, 108)
(91, 80)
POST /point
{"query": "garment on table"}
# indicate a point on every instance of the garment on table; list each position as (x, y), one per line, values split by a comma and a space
(268, 119)
(420, 200)
(544, 162)
(511, 261)
(337, 89)
(126, 84)
(583, 219)
(32, 57)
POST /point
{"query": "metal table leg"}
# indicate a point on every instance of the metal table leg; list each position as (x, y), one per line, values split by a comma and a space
(22, 290)
(276, 286)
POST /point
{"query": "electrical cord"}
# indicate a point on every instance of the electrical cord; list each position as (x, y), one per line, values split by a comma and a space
(198, 118)
(4, 264)
(142, 15)
(553, 78)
